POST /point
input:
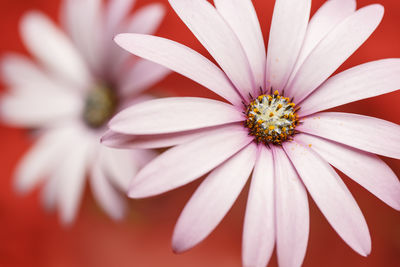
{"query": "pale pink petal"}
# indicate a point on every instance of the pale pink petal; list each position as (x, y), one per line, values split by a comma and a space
(259, 224)
(35, 109)
(174, 114)
(331, 196)
(146, 20)
(182, 60)
(213, 199)
(39, 161)
(291, 211)
(117, 140)
(363, 81)
(19, 71)
(53, 49)
(184, 163)
(329, 15)
(333, 50)
(116, 12)
(366, 169)
(105, 194)
(362, 132)
(242, 17)
(143, 75)
(120, 165)
(219, 39)
(288, 29)
(71, 179)
(49, 193)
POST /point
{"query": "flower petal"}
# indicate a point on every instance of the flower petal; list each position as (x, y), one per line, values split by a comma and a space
(219, 39)
(288, 29)
(71, 180)
(242, 18)
(121, 165)
(189, 160)
(40, 160)
(291, 211)
(213, 199)
(182, 60)
(53, 49)
(48, 194)
(117, 140)
(331, 196)
(105, 194)
(174, 114)
(143, 75)
(360, 82)
(333, 50)
(259, 224)
(82, 20)
(329, 15)
(116, 12)
(362, 132)
(366, 169)
(36, 109)
(146, 20)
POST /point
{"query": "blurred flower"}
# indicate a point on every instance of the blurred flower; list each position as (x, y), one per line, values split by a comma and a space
(83, 78)
(289, 150)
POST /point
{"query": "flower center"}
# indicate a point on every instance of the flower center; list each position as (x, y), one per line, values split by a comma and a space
(100, 105)
(271, 118)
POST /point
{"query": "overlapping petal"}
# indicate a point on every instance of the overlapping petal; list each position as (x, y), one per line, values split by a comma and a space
(259, 224)
(333, 50)
(174, 114)
(331, 196)
(189, 160)
(291, 212)
(366, 133)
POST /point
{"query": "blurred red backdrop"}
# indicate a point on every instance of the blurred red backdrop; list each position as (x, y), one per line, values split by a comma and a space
(31, 237)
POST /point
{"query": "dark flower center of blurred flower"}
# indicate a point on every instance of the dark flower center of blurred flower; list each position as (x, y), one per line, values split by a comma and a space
(100, 105)
(271, 118)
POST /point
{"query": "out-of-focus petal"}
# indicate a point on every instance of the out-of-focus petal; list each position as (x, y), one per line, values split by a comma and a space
(36, 109)
(333, 50)
(366, 169)
(213, 199)
(288, 29)
(105, 194)
(143, 75)
(146, 20)
(259, 224)
(292, 215)
(182, 60)
(184, 163)
(242, 17)
(366, 133)
(116, 12)
(363, 81)
(53, 49)
(82, 19)
(174, 114)
(329, 15)
(331, 196)
(71, 178)
(40, 160)
(219, 39)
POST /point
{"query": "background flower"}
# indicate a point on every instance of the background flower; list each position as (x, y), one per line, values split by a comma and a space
(145, 241)
(79, 81)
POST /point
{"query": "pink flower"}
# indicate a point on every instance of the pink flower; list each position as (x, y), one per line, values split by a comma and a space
(81, 80)
(261, 131)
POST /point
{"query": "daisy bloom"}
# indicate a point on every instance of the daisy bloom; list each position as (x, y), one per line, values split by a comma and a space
(270, 127)
(82, 78)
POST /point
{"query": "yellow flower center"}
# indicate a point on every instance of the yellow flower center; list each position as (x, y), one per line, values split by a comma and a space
(271, 118)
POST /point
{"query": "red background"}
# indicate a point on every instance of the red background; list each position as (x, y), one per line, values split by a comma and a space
(31, 237)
